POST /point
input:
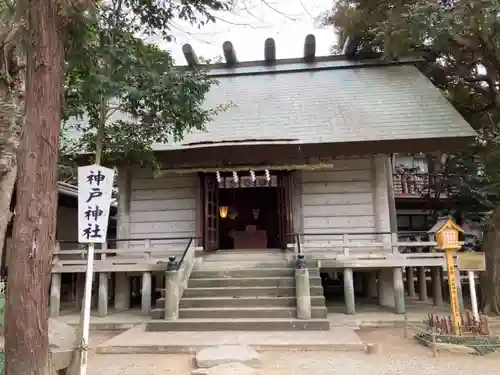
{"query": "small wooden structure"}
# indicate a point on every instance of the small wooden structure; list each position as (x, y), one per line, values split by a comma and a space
(446, 232)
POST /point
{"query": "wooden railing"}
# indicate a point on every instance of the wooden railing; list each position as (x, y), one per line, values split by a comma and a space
(370, 249)
(151, 256)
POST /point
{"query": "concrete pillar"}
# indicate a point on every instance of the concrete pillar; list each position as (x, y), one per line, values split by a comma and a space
(386, 295)
(399, 290)
(303, 293)
(350, 305)
(437, 290)
(422, 284)
(410, 281)
(146, 290)
(102, 301)
(79, 290)
(372, 284)
(171, 295)
(55, 295)
(122, 291)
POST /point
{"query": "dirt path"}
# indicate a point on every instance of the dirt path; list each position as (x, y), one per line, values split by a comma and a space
(399, 356)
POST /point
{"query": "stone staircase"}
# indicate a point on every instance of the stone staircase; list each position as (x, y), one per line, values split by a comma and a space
(243, 295)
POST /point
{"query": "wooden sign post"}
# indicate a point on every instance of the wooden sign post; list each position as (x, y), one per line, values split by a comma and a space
(472, 262)
(95, 190)
(446, 232)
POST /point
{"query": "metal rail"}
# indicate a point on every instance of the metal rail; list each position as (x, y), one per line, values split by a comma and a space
(185, 252)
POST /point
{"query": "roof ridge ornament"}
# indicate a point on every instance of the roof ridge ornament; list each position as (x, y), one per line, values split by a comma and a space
(190, 55)
(310, 48)
(229, 53)
(270, 51)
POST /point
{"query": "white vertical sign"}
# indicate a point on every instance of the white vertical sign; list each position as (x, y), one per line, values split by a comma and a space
(95, 188)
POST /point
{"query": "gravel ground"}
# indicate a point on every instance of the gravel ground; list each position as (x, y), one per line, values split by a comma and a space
(399, 357)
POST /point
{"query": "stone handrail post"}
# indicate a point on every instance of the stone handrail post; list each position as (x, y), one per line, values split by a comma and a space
(302, 289)
(172, 290)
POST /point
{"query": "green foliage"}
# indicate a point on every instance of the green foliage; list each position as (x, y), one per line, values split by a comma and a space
(126, 93)
(459, 41)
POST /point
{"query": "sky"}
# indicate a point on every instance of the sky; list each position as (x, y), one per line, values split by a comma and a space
(250, 24)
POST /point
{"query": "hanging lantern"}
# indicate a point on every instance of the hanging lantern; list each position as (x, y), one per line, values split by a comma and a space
(223, 211)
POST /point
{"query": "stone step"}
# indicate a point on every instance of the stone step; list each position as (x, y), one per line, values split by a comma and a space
(251, 272)
(246, 264)
(248, 313)
(240, 313)
(242, 282)
(247, 272)
(240, 302)
(191, 325)
(264, 291)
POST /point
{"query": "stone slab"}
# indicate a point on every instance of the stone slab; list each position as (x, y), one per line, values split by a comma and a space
(137, 340)
(225, 354)
(225, 369)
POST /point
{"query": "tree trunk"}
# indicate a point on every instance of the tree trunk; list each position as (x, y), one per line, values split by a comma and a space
(27, 312)
(490, 281)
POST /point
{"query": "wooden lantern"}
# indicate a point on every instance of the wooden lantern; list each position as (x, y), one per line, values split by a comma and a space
(446, 232)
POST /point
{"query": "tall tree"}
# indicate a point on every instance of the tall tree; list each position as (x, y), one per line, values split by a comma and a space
(27, 346)
(460, 41)
(54, 28)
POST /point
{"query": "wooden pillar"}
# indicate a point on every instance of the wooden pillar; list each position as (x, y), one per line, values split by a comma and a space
(458, 281)
(146, 293)
(437, 290)
(410, 282)
(147, 283)
(79, 290)
(349, 292)
(102, 299)
(379, 288)
(399, 290)
(102, 302)
(122, 291)
(386, 288)
(422, 284)
(55, 295)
